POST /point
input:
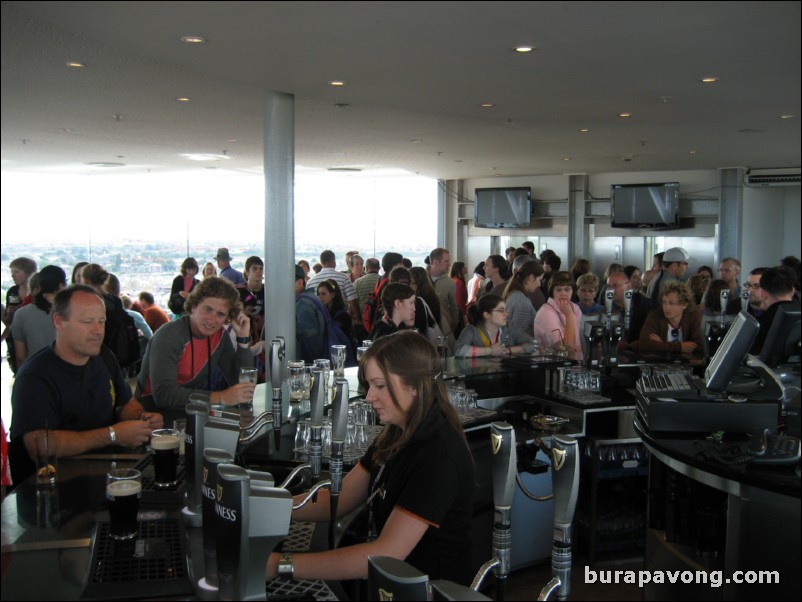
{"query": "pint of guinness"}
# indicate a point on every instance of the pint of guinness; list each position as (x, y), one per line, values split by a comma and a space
(123, 490)
(165, 445)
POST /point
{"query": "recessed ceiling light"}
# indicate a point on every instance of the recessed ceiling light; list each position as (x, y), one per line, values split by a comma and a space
(787, 116)
(584, 130)
(566, 158)
(231, 140)
(204, 156)
(193, 40)
(104, 164)
(183, 99)
(65, 130)
(75, 64)
(415, 141)
(691, 152)
(336, 83)
(709, 80)
(524, 49)
(625, 114)
(487, 105)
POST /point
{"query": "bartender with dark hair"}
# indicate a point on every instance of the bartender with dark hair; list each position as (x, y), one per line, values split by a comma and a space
(416, 479)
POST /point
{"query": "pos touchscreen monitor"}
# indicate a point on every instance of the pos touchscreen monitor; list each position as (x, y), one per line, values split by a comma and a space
(731, 353)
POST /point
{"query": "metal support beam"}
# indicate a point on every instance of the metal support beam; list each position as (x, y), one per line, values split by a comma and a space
(279, 169)
(578, 234)
(730, 214)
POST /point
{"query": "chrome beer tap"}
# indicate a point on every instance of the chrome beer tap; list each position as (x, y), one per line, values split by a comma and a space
(339, 427)
(276, 378)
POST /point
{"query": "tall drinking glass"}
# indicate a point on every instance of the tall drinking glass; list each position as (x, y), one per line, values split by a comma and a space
(123, 490)
(338, 360)
(296, 378)
(165, 444)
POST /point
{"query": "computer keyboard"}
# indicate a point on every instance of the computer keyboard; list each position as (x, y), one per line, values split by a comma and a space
(675, 385)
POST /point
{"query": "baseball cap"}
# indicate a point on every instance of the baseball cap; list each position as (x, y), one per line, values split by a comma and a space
(675, 255)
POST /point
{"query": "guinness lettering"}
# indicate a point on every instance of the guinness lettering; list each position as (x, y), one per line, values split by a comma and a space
(225, 513)
(208, 493)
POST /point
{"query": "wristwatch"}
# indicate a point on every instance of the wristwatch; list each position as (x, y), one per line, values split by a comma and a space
(112, 435)
(244, 340)
(285, 567)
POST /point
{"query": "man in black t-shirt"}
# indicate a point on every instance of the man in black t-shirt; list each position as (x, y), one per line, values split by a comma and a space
(776, 288)
(75, 389)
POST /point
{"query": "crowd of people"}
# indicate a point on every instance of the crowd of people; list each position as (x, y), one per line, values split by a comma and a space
(68, 346)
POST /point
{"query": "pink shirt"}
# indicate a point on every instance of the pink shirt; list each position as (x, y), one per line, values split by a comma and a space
(550, 326)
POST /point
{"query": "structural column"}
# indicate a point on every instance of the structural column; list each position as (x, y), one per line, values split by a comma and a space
(279, 169)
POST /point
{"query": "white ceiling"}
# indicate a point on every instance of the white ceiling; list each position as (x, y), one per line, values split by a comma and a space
(413, 71)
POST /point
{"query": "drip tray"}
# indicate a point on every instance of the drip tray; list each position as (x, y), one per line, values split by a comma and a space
(299, 590)
(151, 565)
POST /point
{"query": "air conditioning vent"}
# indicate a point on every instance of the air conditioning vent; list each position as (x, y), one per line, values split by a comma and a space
(773, 177)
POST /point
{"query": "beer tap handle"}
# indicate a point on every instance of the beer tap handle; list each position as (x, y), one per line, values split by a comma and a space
(339, 426)
(276, 365)
(608, 306)
(627, 310)
(745, 298)
(724, 297)
(317, 402)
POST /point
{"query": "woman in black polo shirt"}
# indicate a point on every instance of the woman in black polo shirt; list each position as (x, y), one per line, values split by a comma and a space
(416, 479)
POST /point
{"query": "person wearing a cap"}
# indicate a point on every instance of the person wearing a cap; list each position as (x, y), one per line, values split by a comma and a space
(675, 263)
(226, 271)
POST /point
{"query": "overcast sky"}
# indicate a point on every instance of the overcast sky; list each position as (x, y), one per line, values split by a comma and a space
(330, 208)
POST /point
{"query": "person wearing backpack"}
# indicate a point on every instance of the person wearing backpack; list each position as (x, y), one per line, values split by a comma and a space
(370, 310)
(316, 330)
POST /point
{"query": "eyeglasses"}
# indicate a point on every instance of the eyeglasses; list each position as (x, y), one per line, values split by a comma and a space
(752, 286)
(502, 310)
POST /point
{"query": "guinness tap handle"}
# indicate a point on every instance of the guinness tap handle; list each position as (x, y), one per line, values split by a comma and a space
(276, 365)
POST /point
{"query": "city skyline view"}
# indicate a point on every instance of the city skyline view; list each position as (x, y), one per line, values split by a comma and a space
(141, 228)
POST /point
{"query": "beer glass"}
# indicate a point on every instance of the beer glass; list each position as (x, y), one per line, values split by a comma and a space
(165, 444)
(45, 445)
(296, 371)
(338, 360)
(123, 490)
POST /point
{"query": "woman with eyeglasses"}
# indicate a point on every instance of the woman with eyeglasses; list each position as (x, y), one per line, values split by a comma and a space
(488, 333)
(558, 321)
(676, 327)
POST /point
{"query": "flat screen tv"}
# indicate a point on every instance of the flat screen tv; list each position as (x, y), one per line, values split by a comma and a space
(503, 207)
(645, 205)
